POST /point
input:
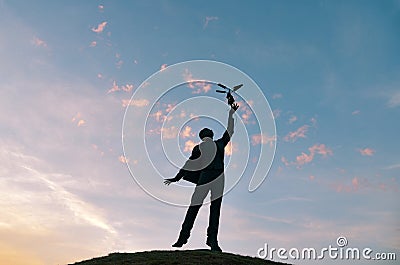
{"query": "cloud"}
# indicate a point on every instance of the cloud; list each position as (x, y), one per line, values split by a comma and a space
(93, 44)
(136, 102)
(354, 182)
(394, 100)
(245, 112)
(276, 96)
(119, 64)
(285, 161)
(276, 113)
(187, 132)
(305, 158)
(292, 119)
(169, 132)
(395, 166)
(263, 139)
(38, 42)
(81, 122)
(162, 68)
(359, 184)
(366, 151)
(188, 77)
(356, 112)
(313, 122)
(169, 107)
(299, 133)
(208, 20)
(189, 145)
(159, 116)
(320, 149)
(201, 87)
(115, 87)
(100, 27)
(231, 148)
(78, 119)
(100, 8)
(123, 159)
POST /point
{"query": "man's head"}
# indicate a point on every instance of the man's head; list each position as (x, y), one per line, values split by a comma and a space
(206, 133)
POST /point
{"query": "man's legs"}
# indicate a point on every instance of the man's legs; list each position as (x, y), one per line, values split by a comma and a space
(198, 197)
(217, 190)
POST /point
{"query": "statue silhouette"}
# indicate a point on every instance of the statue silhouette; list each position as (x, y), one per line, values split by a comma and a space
(205, 168)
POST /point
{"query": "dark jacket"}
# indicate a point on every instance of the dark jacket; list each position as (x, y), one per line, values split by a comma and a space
(208, 155)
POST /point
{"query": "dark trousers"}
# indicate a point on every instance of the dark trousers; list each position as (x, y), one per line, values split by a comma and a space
(209, 181)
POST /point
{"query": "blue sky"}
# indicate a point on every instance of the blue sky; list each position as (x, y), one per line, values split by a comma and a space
(329, 69)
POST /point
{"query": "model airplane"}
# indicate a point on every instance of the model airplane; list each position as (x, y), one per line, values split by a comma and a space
(228, 91)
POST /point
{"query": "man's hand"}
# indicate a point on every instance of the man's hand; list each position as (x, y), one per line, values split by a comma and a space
(234, 107)
(169, 181)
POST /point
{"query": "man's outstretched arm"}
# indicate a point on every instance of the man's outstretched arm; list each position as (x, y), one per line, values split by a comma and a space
(226, 137)
(195, 154)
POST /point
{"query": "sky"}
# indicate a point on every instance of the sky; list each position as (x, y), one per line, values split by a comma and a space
(330, 71)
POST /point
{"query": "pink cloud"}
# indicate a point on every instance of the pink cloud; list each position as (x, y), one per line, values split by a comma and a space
(99, 75)
(136, 102)
(285, 161)
(100, 27)
(366, 152)
(305, 158)
(263, 139)
(187, 132)
(356, 112)
(169, 108)
(93, 44)
(162, 68)
(320, 149)
(101, 8)
(245, 112)
(119, 64)
(231, 148)
(313, 121)
(188, 77)
(276, 113)
(201, 87)
(123, 159)
(189, 145)
(81, 123)
(78, 120)
(115, 87)
(299, 133)
(355, 183)
(276, 96)
(292, 119)
(38, 42)
(207, 20)
(169, 133)
(159, 116)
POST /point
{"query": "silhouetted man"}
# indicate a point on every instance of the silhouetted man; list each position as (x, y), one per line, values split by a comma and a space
(205, 167)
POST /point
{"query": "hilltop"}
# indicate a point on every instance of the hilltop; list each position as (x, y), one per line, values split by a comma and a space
(184, 257)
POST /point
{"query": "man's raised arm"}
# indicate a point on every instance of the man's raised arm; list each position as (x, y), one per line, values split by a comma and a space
(226, 137)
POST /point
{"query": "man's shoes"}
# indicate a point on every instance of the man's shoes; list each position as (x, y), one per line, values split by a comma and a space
(213, 244)
(179, 243)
